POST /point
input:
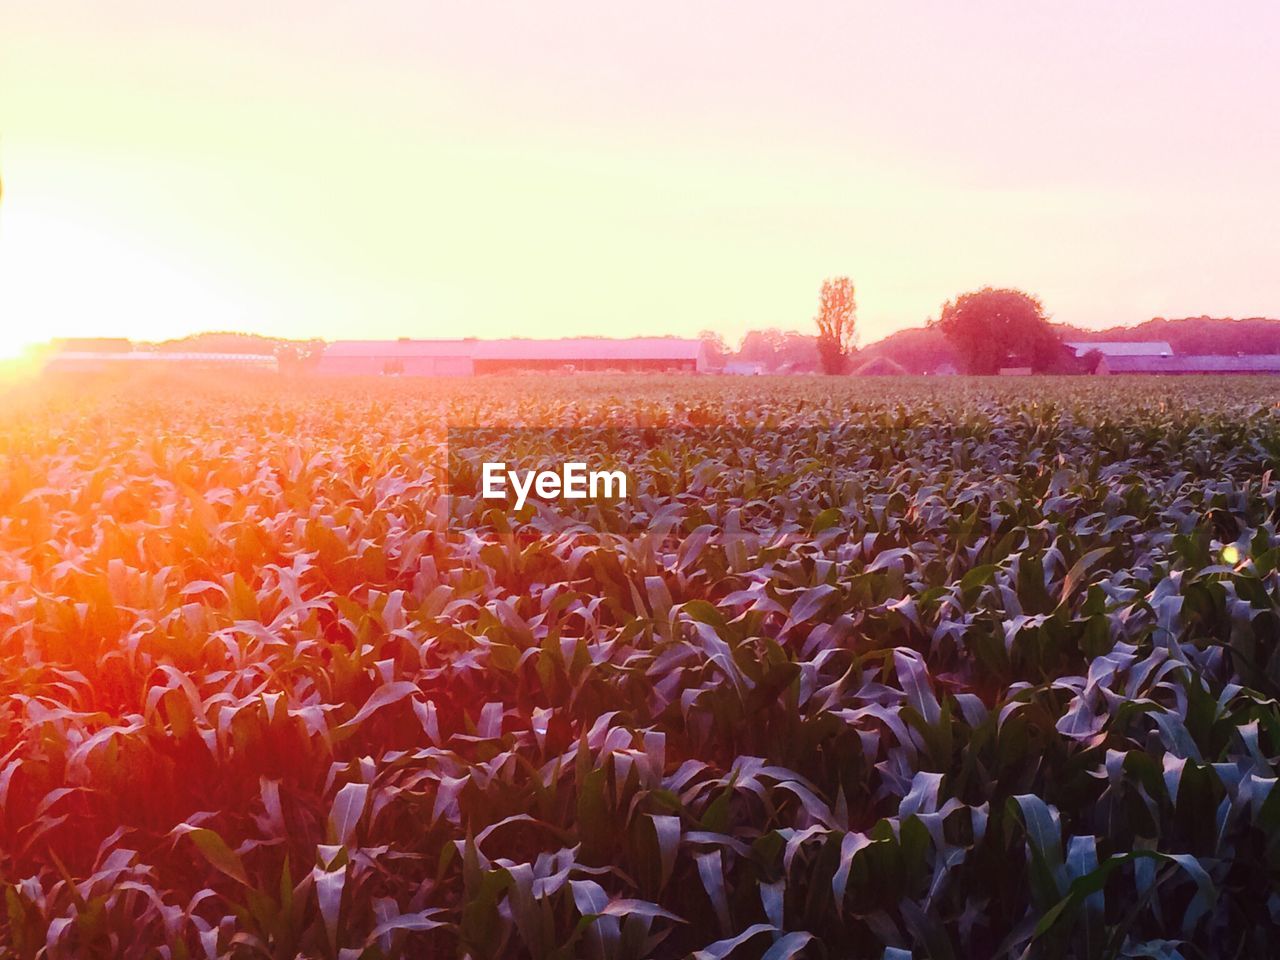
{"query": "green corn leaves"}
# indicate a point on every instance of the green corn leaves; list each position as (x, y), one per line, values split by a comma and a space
(905, 669)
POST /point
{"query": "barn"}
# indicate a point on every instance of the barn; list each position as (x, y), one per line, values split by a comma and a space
(880, 367)
(1255, 364)
(1121, 348)
(409, 357)
(403, 357)
(91, 344)
(94, 361)
(635, 355)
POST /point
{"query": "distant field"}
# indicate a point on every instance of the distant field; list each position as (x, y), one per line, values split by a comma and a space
(950, 667)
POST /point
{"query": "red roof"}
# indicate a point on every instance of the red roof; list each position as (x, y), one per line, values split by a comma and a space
(589, 348)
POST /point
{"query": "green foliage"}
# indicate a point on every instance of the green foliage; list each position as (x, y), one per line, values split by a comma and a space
(959, 669)
(836, 321)
(993, 328)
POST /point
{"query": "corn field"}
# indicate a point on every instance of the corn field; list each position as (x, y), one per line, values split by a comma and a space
(898, 669)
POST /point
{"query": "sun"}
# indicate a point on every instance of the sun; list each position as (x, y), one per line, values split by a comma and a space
(64, 273)
(13, 347)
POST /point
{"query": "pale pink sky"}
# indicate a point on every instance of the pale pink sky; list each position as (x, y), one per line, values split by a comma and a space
(442, 169)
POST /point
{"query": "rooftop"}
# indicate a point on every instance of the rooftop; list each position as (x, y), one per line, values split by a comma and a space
(163, 356)
(590, 348)
(1257, 363)
(403, 347)
(567, 350)
(1122, 348)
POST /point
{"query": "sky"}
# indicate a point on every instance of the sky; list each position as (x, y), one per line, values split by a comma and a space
(413, 168)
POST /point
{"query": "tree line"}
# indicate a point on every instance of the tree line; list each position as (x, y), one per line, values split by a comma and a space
(985, 330)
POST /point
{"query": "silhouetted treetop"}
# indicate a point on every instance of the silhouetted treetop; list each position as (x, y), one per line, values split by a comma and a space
(997, 327)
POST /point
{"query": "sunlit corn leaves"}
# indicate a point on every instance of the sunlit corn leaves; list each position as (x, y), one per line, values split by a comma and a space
(925, 669)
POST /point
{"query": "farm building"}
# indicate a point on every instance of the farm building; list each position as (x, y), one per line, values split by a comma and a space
(639, 354)
(744, 368)
(880, 367)
(406, 357)
(463, 357)
(1263, 363)
(94, 361)
(1121, 348)
(92, 344)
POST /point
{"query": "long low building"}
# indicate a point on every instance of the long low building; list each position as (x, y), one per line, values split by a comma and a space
(93, 361)
(407, 357)
(1120, 348)
(1256, 364)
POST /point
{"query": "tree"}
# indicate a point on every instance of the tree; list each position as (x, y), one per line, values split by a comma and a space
(836, 320)
(778, 349)
(717, 349)
(991, 327)
(1091, 360)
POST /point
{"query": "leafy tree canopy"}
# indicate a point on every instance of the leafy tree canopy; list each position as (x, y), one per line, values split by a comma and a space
(993, 328)
(836, 320)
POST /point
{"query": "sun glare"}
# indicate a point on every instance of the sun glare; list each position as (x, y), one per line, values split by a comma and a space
(12, 344)
(67, 276)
